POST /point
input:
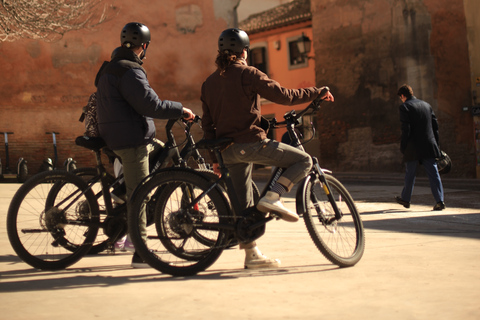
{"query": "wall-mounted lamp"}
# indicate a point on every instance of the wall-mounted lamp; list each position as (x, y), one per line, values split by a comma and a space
(277, 45)
(304, 45)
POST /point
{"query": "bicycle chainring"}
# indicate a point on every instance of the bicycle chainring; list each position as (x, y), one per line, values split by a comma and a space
(115, 227)
(247, 228)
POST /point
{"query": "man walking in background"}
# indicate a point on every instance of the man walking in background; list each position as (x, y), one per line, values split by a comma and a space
(419, 145)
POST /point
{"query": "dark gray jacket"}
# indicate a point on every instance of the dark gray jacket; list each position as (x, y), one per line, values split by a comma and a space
(126, 103)
(419, 130)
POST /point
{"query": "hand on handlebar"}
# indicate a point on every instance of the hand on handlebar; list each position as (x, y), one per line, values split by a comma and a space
(327, 96)
(216, 169)
(188, 114)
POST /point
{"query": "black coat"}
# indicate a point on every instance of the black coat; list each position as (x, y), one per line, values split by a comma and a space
(419, 131)
(126, 104)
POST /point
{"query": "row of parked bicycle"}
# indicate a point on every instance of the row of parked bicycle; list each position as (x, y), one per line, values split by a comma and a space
(20, 171)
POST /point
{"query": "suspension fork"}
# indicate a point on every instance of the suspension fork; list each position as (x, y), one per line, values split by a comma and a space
(326, 188)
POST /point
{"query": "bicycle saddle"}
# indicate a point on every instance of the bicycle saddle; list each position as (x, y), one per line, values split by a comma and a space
(92, 143)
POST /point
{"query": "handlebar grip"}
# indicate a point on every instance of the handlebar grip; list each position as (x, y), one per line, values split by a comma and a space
(197, 119)
(324, 91)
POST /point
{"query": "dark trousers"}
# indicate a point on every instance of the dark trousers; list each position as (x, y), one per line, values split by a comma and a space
(430, 166)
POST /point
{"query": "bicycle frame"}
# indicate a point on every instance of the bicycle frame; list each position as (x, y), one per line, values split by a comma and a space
(291, 119)
(169, 152)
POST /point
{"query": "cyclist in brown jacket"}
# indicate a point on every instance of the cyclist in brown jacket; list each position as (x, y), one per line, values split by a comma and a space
(231, 108)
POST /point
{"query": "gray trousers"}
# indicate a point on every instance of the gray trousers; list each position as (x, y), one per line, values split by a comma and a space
(240, 157)
(135, 168)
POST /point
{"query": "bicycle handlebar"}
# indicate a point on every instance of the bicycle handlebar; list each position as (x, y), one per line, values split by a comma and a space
(314, 105)
(171, 122)
(197, 119)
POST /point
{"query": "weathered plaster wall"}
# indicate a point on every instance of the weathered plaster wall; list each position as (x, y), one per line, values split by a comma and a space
(472, 10)
(45, 85)
(365, 50)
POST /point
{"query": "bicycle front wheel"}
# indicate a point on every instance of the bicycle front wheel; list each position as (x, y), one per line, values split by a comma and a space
(47, 236)
(341, 241)
(185, 237)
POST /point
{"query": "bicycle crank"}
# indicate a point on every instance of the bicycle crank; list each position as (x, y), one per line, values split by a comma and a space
(251, 226)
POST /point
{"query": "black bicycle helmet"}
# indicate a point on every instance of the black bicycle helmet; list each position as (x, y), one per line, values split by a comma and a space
(233, 40)
(134, 34)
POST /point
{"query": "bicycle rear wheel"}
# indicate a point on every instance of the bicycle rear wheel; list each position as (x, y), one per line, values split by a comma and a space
(340, 241)
(176, 241)
(52, 237)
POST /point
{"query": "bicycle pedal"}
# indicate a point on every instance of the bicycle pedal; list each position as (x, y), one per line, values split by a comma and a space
(275, 215)
(110, 249)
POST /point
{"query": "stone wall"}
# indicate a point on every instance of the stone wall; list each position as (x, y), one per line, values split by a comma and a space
(364, 51)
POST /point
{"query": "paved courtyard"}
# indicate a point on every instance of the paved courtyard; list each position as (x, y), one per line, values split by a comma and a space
(418, 264)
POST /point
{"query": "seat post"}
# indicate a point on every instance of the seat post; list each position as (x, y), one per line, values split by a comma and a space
(101, 171)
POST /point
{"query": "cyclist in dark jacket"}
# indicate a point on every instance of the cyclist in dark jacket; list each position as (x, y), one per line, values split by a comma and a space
(126, 105)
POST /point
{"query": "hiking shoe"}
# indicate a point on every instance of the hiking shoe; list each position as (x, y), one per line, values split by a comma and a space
(257, 260)
(439, 206)
(402, 202)
(138, 263)
(271, 203)
(128, 246)
(120, 244)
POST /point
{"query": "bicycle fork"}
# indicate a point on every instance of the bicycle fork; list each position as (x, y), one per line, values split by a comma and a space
(318, 173)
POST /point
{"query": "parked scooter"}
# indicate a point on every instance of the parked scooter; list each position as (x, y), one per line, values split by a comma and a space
(49, 165)
(6, 173)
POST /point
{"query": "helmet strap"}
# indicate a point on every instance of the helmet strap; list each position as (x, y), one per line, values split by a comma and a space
(144, 53)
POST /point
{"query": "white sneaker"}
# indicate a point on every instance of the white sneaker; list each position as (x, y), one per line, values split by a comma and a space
(120, 199)
(271, 203)
(138, 263)
(254, 259)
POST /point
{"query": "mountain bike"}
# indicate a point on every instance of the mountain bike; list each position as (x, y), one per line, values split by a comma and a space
(196, 218)
(54, 218)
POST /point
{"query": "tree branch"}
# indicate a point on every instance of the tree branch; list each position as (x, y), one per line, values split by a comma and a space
(49, 20)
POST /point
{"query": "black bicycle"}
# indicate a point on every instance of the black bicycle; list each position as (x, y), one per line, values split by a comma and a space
(55, 217)
(191, 229)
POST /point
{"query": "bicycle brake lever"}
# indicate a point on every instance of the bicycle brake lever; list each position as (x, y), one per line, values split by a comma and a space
(320, 98)
(273, 123)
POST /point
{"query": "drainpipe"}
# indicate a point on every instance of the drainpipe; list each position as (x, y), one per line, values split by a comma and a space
(235, 14)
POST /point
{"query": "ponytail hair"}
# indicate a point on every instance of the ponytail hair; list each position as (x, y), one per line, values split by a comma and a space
(224, 60)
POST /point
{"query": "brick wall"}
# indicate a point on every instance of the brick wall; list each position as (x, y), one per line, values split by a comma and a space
(45, 85)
